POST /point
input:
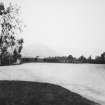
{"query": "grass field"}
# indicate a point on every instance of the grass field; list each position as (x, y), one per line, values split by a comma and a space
(34, 93)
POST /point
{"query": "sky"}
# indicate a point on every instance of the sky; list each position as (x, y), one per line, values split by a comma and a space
(63, 27)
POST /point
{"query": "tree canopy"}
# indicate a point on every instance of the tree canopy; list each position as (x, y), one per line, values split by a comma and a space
(10, 27)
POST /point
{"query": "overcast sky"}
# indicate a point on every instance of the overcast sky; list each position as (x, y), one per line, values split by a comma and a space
(74, 27)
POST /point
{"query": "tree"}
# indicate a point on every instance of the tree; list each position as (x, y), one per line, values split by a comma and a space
(70, 59)
(82, 59)
(103, 56)
(11, 26)
(89, 59)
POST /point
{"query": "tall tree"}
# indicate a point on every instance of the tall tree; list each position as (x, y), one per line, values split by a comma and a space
(10, 27)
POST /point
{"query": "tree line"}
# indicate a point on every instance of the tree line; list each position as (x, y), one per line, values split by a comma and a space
(68, 59)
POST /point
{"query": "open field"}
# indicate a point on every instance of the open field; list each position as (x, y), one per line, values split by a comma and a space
(85, 79)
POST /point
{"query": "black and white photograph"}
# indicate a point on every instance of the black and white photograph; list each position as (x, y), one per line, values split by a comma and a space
(52, 52)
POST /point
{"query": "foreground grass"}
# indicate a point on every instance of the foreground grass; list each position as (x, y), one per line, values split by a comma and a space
(33, 93)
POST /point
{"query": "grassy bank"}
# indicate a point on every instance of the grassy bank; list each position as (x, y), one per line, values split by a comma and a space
(32, 93)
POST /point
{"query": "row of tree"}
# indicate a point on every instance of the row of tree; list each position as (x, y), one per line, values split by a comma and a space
(82, 59)
(68, 59)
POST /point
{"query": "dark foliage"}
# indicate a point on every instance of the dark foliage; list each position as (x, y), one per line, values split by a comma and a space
(68, 59)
